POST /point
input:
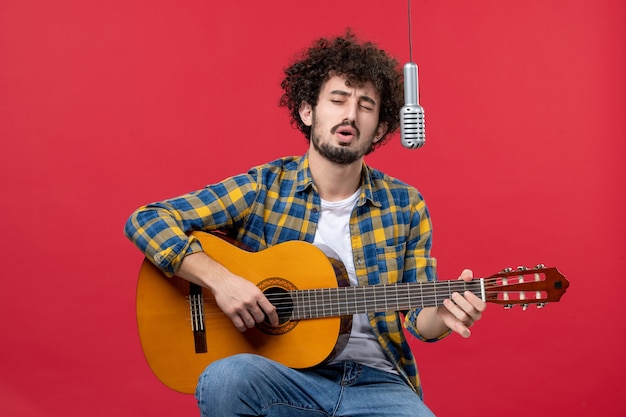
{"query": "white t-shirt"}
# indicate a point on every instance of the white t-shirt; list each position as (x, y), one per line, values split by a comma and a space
(333, 237)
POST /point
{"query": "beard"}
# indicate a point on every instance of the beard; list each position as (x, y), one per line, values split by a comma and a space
(337, 154)
(341, 155)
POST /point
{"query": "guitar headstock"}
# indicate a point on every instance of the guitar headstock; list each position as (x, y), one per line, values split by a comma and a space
(525, 286)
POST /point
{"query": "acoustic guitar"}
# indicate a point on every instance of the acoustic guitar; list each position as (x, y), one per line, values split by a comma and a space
(182, 330)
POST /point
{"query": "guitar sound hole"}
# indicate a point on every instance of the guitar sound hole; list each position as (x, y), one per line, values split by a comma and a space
(280, 298)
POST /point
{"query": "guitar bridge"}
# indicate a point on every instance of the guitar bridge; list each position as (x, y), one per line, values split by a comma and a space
(196, 310)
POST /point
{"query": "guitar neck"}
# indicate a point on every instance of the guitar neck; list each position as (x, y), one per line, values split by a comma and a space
(343, 301)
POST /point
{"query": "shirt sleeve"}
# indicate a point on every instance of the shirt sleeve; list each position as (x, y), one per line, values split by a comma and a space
(161, 229)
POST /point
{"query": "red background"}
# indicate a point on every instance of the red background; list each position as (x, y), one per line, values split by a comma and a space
(106, 105)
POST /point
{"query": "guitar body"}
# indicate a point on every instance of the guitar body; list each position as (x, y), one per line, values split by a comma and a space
(170, 344)
(182, 330)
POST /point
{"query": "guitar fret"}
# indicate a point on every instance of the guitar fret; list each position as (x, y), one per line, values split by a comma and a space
(355, 300)
(333, 299)
(307, 304)
(397, 298)
(317, 303)
(331, 302)
(298, 314)
(300, 304)
(409, 296)
(363, 299)
(400, 297)
(377, 299)
(297, 304)
(304, 304)
(353, 305)
(385, 298)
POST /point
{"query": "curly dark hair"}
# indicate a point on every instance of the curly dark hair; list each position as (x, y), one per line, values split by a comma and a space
(359, 62)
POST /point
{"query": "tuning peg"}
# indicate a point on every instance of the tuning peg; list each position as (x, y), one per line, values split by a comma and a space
(524, 307)
(540, 266)
(505, 270)
(522, 268)
(541, 305)
(508, 306)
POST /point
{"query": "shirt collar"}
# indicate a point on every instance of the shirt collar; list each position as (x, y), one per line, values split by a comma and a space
(367, 187)
(305, 180)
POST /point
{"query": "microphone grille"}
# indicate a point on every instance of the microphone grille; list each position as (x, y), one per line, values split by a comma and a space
(412, 132)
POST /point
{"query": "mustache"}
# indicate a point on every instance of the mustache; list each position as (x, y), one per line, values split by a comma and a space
(346, 123)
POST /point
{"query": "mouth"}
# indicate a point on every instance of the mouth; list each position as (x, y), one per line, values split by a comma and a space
(346, 132)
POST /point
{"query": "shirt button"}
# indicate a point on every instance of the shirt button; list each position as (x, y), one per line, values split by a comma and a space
(358, 261)
(314, 210)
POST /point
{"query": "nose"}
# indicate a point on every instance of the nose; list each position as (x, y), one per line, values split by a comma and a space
(351, 109)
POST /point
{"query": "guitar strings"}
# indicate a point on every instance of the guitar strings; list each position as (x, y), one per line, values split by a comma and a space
(319, 311)
(492, 287)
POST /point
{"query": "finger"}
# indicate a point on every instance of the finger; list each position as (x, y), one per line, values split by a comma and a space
(471, 305)
(476, 301)
(462, 329)
(457, 312)
(465, 310)
(466, 275)
(258, 315)
(453, 322)
(269, 312)
(450, 319)
(239, 323)
(248, 320)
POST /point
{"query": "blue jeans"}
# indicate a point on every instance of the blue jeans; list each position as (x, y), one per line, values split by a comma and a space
(250, 385)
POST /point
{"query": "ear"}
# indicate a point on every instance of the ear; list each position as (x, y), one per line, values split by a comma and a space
(306, 113)
(380, 131)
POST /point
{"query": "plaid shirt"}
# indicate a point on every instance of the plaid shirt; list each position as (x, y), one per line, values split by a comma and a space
(390, 232)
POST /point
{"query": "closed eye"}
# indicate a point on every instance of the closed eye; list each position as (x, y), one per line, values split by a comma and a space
(367, 103)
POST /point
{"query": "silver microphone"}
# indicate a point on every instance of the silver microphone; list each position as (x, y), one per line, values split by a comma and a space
(412, 114)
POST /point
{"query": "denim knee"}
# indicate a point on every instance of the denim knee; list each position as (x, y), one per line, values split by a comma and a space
(228, 380)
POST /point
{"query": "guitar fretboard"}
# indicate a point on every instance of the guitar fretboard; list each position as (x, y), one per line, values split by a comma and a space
(343, 301)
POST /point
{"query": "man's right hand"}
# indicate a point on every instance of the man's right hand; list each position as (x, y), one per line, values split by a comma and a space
(242, 301)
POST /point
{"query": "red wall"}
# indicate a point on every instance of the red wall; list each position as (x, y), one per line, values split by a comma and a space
(106, 105)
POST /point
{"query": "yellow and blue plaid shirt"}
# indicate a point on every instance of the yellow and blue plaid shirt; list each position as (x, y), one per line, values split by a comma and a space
(276, 202)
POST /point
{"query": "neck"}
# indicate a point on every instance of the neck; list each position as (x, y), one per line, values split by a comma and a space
(334, 181)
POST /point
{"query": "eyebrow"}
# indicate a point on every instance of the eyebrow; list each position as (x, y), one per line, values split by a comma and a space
(346, 94)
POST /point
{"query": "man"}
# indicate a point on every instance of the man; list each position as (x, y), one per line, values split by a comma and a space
(345, 97)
